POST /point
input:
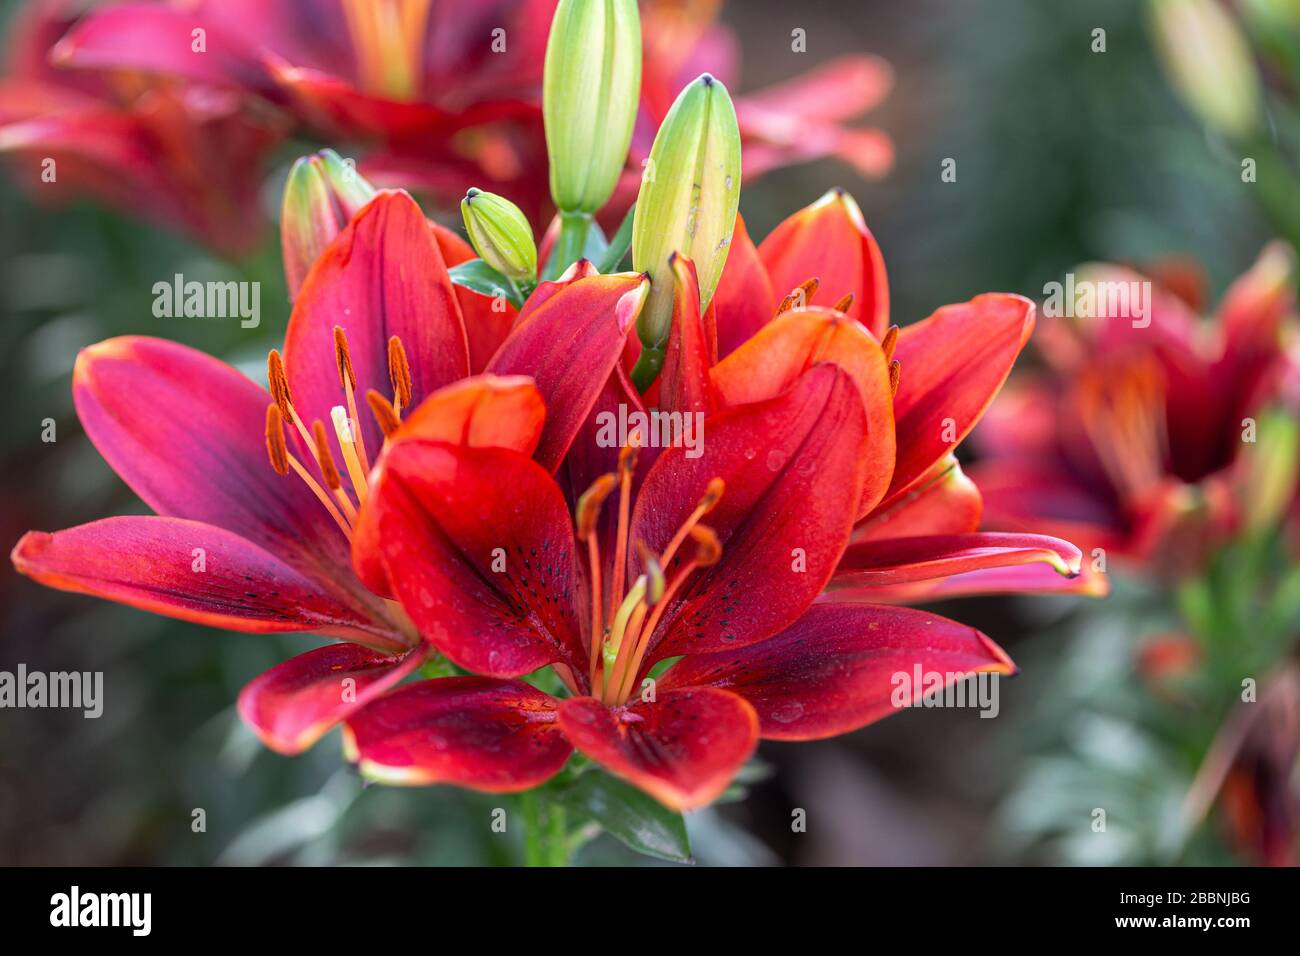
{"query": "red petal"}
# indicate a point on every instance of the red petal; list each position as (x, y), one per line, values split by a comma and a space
(493, 735)
(153, 38)
(900, 560)
(793, 468)
(294, 704)
(840, 89)
(838, 667)
(1038, 578)
(188, 434)
(191, 571)
(953, 363)
(569, 345)
(487, 319)
(483, 411)
(829, 240)
(782, 350)
(381, 276)
(947, 502)
(744, 298)
(479, 548)
(683, 748)
(684, 385)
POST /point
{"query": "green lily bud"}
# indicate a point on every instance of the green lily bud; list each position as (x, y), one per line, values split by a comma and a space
(320, 197)
(500, 234)
(1271, 469)
(591, 87)
(688, 200)
(1209, 63)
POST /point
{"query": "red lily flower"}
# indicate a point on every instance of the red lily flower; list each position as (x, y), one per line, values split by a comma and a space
(180, 153)
(499, 528)
(423, 81)
(1130, 440)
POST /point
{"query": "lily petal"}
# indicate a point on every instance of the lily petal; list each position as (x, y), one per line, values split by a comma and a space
(1034, 578)
(478, 546)
(569, 345)
(744, 298)
(487, 319)
(952, 365)
(793, 469)
(830, 240)
(294, 704)
(901, 560)
(683, 748)
(497, 736)
(169, 418)
(381, 276)
(191, 571)
(837, 668)
(945, 502)
(486, 411)
(684, 384)
(786, 347)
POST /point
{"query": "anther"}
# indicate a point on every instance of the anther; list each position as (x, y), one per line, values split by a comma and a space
(275, 446)
(382, 409)
(802, 294)
(329, 471)
(279, 384)
(708, 549)
(845, 303)
(889, 341)
(712, 492)
(399, 373)
(654, 574)
(895, 372)
(343, 358)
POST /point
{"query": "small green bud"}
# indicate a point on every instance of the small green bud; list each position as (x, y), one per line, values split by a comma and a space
(500, 234)
(322, 194)
(688, 200)
(590, 91)
(1209, 64)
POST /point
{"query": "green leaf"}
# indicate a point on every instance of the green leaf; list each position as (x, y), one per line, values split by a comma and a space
(632, 817)
(618, 246)
(477, 276)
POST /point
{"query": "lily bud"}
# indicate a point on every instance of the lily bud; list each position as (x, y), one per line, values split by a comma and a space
(591, 88)
(500, 234)
(320, 197)
(1270, 469)
(688, 200)
(1209, 63)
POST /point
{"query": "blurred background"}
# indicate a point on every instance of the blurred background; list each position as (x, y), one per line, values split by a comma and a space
(1063, 155)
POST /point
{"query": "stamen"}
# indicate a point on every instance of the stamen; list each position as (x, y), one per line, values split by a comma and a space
(654, 573)
(707, 553)
(275, 446)
(895, 373)
(399, 373)
(615, 649)
(348, 379)
(319, 492)
(586, 514)
(329, 471)
(383, 411)
(889, 341)
(845, 303)
(626, 466)
(345, 431)
(803, 293)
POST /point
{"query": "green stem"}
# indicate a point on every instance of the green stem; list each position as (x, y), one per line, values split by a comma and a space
(557, 836)
(531, 807)
(546, 835)
(570, 244)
